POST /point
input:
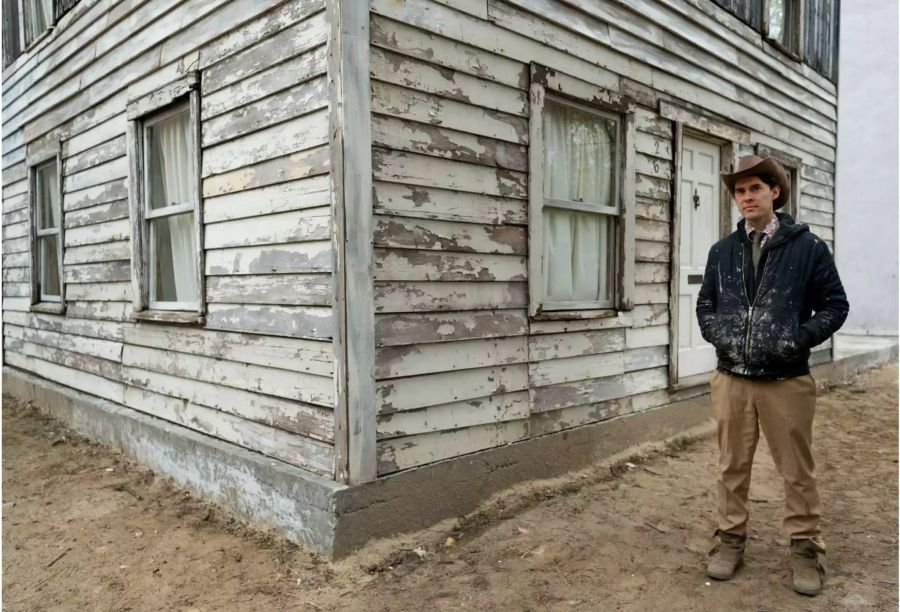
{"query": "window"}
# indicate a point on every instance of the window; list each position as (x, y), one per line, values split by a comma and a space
(581, 210)
(783, 24)
(47, 233)
(165, 201)
(38, 18)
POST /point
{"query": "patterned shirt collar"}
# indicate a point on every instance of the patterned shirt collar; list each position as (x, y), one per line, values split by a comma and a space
(768, 231)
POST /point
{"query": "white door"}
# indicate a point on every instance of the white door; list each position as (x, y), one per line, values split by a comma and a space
(699, 212)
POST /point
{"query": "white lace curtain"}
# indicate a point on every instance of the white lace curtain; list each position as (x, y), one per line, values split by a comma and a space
(579, 166)
(174, 250)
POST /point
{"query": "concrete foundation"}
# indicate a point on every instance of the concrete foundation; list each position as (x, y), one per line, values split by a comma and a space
(336, 519)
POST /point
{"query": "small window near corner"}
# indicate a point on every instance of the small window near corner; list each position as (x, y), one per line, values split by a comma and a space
(163, 140)
(38, 18)
(47, 281)
(784, 25)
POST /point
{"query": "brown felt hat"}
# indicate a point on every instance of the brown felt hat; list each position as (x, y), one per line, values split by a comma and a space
(753, 165)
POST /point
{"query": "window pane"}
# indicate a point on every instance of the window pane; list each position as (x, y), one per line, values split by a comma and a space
(47, 195)
(48, 275)
(778, 20)
(579, 256)
(579, 155)
(174, 258)
(40, 16)
(170, 171)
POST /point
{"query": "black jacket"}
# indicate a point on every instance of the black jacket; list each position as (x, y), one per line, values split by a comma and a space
(762, 325)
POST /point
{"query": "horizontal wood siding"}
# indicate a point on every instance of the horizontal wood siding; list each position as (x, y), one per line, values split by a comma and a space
(259, 373)
(459, 365)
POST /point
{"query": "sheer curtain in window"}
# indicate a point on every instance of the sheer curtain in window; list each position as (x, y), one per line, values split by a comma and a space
(579, 166)
(173, 242)
(40, 17)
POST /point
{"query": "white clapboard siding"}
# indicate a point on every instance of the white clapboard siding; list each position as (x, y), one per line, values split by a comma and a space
(414, 265)
(564, 395)
(313, 322)
(402, 233)
(413, 328)
(271, 381)
(443, 204)
(402, 38)
(271, 259)
(296, 226)
(305, 132)
(400, 361)
(265, 83)
(395, 101)
(427, 390)
(297, 450)
(66, 325)
(282, 106)
(104, 349)
(282, 197)
(302, 164)
(285, 289)
(436, 296)
(297, 417)
(406, 71)
(402, 453)
(282, 353)
(496, 408)
(426, 171)
(67, 376)
(575, 416)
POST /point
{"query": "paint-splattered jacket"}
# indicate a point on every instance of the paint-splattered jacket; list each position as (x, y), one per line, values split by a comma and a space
(762, 325)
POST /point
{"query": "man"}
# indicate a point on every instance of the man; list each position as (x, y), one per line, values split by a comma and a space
(760, 288)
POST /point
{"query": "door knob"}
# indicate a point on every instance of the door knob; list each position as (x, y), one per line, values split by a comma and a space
(696, 199)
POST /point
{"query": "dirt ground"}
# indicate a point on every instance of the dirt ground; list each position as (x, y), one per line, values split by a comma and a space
(85, 529)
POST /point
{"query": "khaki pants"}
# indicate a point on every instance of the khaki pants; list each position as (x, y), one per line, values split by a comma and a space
(784, 409)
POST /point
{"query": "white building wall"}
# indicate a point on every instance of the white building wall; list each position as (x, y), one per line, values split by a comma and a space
(867, 165)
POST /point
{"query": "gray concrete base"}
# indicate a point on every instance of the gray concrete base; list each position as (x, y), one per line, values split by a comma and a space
(336, 519)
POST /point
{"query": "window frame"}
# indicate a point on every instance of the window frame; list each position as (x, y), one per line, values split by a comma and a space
(39, 300)
(142, 113)
(561, 89)
(794, 25)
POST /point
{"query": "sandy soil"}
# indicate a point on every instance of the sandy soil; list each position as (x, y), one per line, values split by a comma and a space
(85, 529)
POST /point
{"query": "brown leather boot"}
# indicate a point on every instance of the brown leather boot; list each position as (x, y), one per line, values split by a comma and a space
(807, 561)
(727, 556)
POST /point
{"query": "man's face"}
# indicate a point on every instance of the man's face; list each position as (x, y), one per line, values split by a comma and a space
(755, 199)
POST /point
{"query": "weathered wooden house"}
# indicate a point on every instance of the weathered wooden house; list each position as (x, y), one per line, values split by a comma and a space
(352, 266)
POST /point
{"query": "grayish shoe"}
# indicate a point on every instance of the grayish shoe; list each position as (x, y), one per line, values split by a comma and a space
(807, 562)
(727, 556)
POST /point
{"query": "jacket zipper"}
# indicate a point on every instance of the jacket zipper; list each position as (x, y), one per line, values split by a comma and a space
(750, 312)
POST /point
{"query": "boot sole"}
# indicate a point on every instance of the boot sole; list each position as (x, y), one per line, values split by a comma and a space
(807, 592)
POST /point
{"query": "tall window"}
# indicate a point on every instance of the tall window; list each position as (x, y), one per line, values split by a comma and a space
(169, 208)
(581, 191)
(47, 253)
(165, 201)
(38, 18)
(783, 24)
(581, 163)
